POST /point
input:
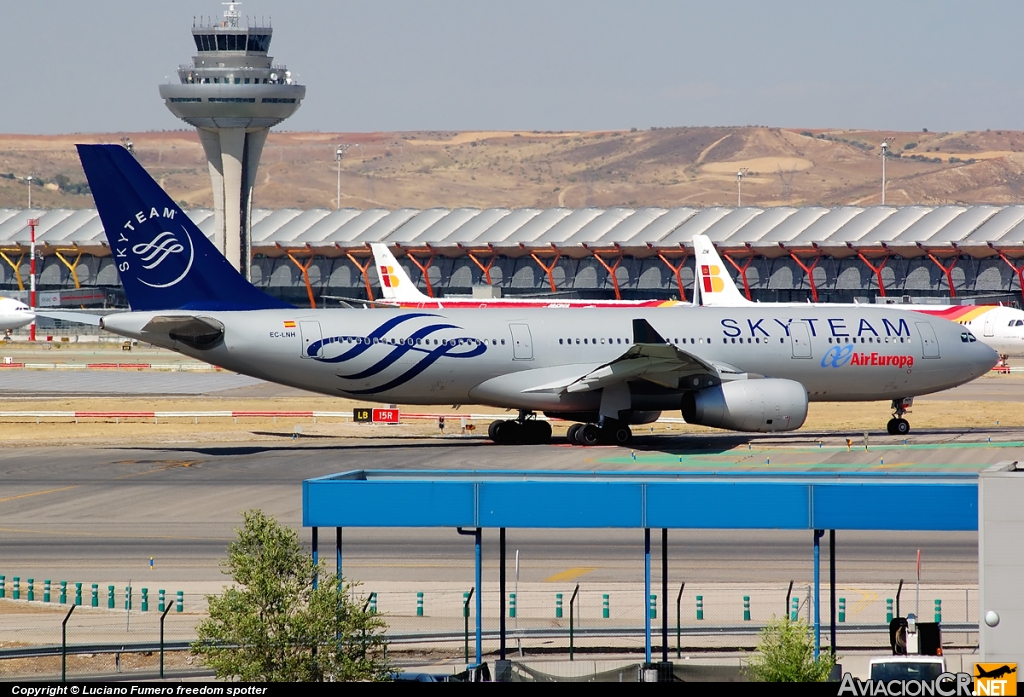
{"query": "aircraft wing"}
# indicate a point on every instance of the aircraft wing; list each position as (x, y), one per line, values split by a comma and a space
(650, 358)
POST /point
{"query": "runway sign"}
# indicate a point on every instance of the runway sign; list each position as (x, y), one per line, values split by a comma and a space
(365, 415)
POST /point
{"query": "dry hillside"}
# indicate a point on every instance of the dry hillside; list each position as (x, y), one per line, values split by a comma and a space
(659, 167)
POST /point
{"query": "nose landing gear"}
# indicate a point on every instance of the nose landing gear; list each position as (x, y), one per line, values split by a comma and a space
(898, 426)
(525, 430)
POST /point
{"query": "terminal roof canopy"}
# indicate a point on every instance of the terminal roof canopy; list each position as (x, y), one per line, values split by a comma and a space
(452, 232)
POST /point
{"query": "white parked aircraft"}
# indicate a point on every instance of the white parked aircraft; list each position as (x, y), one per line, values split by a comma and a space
(14, 314)
(399, 290)
(1000, 327)
(746, 369)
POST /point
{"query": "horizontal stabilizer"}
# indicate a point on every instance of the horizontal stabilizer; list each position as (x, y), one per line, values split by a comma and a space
(66, 316)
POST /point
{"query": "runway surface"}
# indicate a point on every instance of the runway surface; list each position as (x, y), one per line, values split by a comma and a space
(99, 514)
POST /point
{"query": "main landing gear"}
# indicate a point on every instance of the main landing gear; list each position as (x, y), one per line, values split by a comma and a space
(525, 430)
(611, 433)
(898, 426)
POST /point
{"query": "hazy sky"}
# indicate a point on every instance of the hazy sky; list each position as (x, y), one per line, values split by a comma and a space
(382, 65)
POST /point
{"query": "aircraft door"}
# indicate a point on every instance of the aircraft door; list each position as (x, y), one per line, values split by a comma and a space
(801, 340)
(522, 342)
(311, 337)
(929, 344)
(990, 324)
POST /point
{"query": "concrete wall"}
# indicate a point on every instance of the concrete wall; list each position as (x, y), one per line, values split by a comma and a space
(1001, 562)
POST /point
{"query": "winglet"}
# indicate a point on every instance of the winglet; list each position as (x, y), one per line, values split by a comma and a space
(163, 259)
(644, 333)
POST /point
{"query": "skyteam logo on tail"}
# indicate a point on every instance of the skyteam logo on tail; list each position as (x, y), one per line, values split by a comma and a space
(147, 245)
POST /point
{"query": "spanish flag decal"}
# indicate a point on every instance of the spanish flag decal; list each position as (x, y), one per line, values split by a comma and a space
(289, 324)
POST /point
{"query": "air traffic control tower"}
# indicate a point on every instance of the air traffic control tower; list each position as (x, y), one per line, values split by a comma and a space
(233, 93)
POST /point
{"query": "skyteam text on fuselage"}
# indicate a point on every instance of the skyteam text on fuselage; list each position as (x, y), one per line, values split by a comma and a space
(749, 369)
(1000, 327)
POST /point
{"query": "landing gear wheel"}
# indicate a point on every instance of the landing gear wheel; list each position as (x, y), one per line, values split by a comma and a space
(536, 432)
(511, 432)
(571, 433)
(621, 435)
(492, 430)
(898, 426)
(589, 435)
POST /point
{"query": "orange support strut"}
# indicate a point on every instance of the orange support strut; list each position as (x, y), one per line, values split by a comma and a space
(423, 268)
(549, 270)
(877, 270)
(809, 270)
(676, 270)
(611, 272)
(363, 269)
(743, 271)
(305, 273)
(1019, 270)
(948, 270)
(485, 269)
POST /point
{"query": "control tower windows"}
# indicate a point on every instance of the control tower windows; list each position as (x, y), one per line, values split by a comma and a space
(258, 43)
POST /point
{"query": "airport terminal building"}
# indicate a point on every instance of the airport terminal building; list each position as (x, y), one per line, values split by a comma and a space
(972, 253)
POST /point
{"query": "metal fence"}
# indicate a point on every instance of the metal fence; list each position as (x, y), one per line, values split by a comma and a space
(437, 621)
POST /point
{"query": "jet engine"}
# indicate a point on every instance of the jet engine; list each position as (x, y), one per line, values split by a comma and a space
(761, 406)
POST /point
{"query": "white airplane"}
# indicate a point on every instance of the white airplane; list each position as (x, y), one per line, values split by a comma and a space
(747, 369)
(399, 290)
(14, 314)
(998, 326)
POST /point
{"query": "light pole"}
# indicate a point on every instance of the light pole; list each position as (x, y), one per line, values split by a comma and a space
(32, 222)
(739, 187)
(337, 156)
(885, 150)
(29, 179)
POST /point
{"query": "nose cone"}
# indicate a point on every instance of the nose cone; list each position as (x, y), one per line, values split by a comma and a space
(983, 357)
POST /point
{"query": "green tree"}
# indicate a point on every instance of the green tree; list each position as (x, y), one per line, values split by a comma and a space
(273, 626)
(785, 653)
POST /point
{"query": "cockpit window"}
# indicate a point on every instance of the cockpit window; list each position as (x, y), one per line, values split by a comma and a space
(967, 337)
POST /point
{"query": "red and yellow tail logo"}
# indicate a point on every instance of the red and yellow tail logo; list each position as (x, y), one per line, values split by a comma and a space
(387, 274)
(995, 678)
(712, 278)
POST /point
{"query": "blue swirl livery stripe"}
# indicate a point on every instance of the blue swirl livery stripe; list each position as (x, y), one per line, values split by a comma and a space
(359, 349)
(398, 351)
(452, 348)
(424, 363)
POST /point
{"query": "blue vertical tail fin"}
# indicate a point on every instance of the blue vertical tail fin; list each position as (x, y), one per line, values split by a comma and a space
(163, 260)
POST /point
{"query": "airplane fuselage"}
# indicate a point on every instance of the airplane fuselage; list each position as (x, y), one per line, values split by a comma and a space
(505, 357)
